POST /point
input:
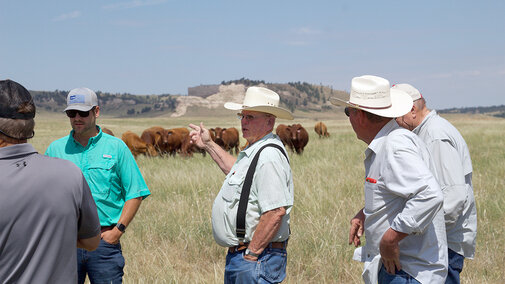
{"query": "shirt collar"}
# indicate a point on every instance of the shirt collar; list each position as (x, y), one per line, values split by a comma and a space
(18, 150)
(376, 143)
(92, 140)
(252, 148)
(430, 115)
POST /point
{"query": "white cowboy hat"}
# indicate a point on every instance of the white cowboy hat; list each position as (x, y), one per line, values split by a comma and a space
(373, 94)
(263, 100)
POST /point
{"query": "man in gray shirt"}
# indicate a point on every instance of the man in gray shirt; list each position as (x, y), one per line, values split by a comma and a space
(454, 171)
(46, 206)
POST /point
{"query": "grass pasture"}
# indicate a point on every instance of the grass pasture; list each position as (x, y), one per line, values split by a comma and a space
(170, 239)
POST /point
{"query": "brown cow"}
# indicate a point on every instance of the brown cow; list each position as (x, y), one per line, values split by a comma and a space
(188, 148)
(157, 137)
(284, 133)
(108, 131)
(321, 129)
(227, 138)
(299, 137)
(137, 146)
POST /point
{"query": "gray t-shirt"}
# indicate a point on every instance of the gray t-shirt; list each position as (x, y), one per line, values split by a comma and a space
(46, 205)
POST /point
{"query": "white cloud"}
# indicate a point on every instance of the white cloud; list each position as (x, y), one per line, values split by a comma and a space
(133, 4)
(67, 16)
(128, 23)
(307, 31)
(297, 43)
(458, 74)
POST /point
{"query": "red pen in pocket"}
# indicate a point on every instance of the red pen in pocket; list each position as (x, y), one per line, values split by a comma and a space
(371, 180)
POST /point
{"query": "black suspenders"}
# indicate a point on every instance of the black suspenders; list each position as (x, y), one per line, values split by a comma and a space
(246, 189)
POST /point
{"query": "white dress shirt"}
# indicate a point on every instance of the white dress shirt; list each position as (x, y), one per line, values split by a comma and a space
(454, 172)
(401, 193)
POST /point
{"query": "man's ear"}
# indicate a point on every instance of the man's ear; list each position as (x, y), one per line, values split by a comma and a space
(97, 111)
(413, 112)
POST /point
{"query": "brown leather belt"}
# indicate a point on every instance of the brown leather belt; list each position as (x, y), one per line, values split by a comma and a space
(243, 246)
(107, 228)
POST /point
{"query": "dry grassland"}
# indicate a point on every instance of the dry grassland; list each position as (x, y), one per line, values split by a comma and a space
(170, 240)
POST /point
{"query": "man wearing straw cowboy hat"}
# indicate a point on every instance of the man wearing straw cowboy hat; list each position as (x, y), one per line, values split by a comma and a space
(454, 174)
(250, 215)
(402, 218)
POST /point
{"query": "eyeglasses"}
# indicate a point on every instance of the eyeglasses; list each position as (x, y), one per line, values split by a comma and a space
(72, 112)
(346, 110)
(249, 117)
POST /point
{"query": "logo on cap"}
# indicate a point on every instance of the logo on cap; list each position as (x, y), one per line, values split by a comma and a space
(77, 99)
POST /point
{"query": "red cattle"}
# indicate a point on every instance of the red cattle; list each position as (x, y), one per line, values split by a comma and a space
(284, 133)
(157, 137)
(227, 138)
(108, 131)
(299, 137)
(188, 148)
(137, 146)
(321, 129)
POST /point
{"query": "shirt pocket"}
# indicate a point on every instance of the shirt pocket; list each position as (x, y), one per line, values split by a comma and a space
(233, 187)
(371, 196)
(100, 173)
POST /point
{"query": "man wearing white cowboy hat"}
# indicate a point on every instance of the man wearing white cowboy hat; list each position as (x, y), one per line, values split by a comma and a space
(454, 173)
(403, 200)
(250, 215)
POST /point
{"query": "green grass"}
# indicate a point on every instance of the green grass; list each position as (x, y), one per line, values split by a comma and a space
(170, 239)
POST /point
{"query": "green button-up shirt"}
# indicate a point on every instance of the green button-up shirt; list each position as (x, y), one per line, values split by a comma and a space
(109, 168)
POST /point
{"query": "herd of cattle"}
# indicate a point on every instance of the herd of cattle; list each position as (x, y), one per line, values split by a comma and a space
(159, 141)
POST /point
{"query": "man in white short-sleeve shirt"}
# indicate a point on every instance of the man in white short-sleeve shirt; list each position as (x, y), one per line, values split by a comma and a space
(271, 192)
(454, 172)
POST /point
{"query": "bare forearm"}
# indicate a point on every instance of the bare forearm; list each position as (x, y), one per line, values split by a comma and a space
(222, 158)
(269, 224)
(130, 208)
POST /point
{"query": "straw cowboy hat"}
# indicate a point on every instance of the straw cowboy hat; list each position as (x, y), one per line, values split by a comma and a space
(373, 94)
(263, 100)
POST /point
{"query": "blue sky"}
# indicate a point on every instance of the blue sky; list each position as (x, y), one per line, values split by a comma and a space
(452, 51)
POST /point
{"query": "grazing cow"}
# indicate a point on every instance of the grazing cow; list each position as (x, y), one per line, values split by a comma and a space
(175, 137)
(188, 148)
(156, 136)
(284, 133)
(137, 146)
(299, 137)
(108, 131)
(227, 138)
(321, 129)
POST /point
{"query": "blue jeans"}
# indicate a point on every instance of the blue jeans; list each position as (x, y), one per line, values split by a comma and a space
(455, 267)
(103, 265)
(400, 277)
(269, 268)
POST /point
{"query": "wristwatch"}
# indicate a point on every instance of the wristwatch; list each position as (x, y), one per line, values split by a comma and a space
(249, 252)
(121, 227)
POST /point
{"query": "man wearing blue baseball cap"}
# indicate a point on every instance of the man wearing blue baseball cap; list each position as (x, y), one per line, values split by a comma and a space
(114, 178)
